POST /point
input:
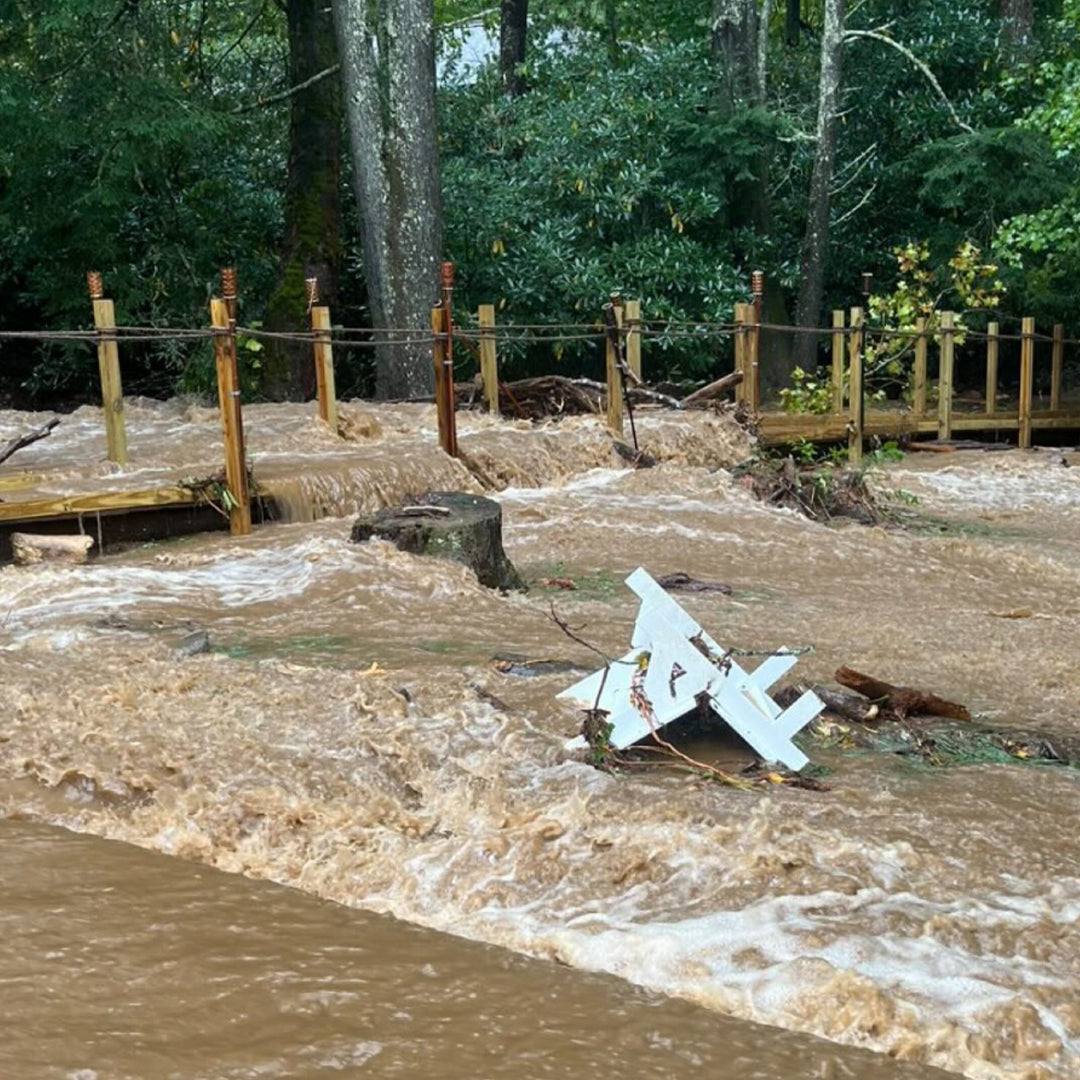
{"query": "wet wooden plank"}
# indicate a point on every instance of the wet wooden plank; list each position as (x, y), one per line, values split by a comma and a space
(108, 502)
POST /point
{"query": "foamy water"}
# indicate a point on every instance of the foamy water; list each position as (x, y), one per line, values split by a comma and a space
(928, 915)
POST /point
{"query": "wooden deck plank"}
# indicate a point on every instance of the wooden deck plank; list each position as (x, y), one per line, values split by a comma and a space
(109, 502)
(792, 427)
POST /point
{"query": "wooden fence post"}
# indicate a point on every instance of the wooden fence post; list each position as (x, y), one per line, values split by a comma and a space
(443, 410)
(838, 361)
(1057, 359)
(325, 390)
(742, 391)
(489, 361)
(919, 401)
(633, 336)
(752, 356)
(442, 326)
(945, 376)
(224, 321)
(855, 383)
(992, 331)
(1027, 376)
(614, 375)
(112, 393)
(437, 350)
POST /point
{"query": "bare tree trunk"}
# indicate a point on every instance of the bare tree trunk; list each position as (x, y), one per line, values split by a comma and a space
(763, 50)
(1018, 22)
(611, 32)
(312, 245)
(792, 22)
(513, 35)
(735, 45)
(815, 245)
(740, 40)
(388, 70)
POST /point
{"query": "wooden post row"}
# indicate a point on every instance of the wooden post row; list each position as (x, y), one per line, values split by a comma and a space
(855, 383)
(1027, 375)
(992, 331)
(838, 361)
(223, 319)
(945, 375)
(489, 360)
(112, 392)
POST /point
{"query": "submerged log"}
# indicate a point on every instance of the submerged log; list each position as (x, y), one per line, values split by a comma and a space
(30, 548)
(683, 582)
(447, 525)
(838, 703)
(899, 702)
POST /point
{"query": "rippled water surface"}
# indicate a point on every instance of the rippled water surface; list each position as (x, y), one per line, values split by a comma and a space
(348, 736)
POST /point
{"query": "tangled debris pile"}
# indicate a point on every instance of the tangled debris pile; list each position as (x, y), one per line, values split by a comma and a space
(902, 720)
(820, 492)
(548, 397)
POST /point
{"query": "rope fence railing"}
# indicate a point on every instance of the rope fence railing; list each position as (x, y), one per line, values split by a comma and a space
(511, 333)
(855, 350)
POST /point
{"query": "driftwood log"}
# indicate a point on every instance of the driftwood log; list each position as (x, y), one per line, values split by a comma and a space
(447, 525)
(21, 441)
(713, 389)
(899, 702)
(549, 396)
(30, 548)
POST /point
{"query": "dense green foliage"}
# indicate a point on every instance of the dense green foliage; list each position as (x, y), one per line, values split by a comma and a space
(592, 185)
(122, 153)
(134, 144)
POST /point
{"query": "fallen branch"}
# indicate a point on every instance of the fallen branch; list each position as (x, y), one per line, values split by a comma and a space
(853, 707)
(898, 702)
(904, 51)
(713, 389)
(25, 440)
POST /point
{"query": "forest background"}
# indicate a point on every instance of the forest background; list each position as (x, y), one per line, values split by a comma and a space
(661, 150)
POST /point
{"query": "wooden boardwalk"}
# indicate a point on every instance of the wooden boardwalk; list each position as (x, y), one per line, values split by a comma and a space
(170, 510)
(780, 428)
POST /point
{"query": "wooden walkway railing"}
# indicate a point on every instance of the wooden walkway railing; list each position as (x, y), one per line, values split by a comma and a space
(625, 335)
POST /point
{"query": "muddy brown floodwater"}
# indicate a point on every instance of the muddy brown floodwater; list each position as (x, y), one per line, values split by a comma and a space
(118, 963)
(347, 736)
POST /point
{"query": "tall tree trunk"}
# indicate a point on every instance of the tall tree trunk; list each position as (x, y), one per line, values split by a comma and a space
(740, 43)
(738, 52)
(735, 45)
(388, 68)
(312, 245)
(513, 35)
(763, 50)
(815, 245)
(1018, 22)
(611, 32)
(792, 22)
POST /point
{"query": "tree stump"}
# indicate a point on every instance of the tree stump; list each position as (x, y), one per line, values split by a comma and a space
(447, 525)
